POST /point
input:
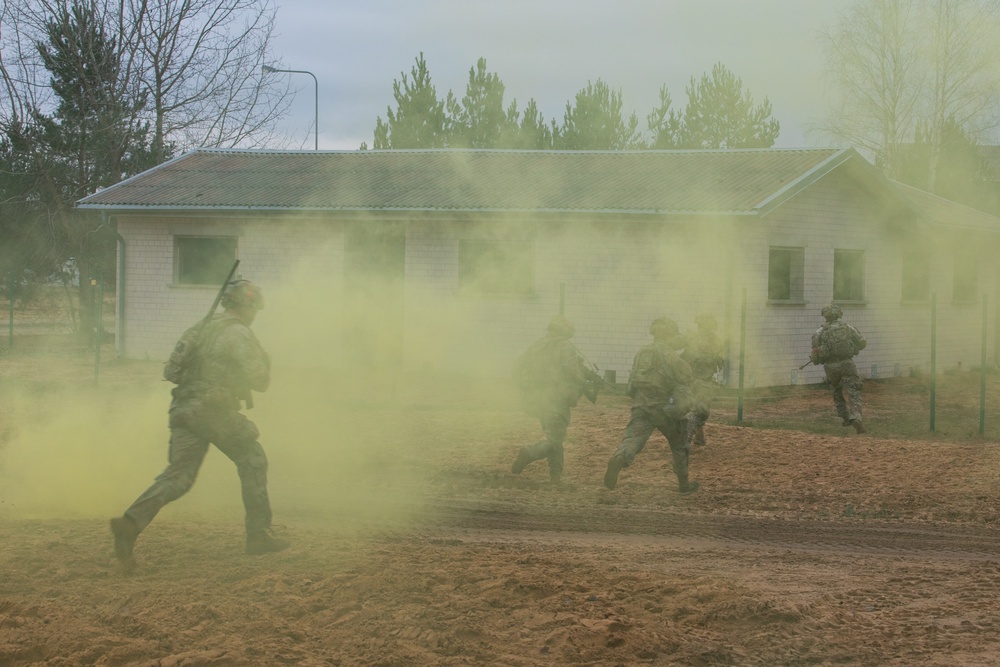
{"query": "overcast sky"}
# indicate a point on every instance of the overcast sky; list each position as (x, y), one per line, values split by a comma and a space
(548, 50)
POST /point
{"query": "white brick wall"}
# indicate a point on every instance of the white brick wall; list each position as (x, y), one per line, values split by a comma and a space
(618, 275)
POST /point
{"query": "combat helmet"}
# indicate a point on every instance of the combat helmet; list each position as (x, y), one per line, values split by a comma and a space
(706, 322)
(560, 326)
(664, 327)
(832, 312)
(242, 293)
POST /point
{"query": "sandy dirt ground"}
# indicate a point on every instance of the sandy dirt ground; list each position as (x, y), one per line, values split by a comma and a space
(799, 549)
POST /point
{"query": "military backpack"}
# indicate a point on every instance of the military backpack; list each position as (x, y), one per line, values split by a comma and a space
(185, 360)
(836, 343)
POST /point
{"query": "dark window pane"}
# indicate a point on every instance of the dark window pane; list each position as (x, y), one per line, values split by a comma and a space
(916, 275)
(966, 277)
(779, 274)
(848, 275)
(204, 260)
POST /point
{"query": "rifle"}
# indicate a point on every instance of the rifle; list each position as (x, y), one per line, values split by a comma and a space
(222, 291)
(182, 359)
(806, 364)
(592, 380)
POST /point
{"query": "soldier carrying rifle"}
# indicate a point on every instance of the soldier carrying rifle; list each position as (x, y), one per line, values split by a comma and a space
(215, 365)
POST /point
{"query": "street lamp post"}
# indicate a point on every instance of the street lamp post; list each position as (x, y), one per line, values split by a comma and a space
(267, 69)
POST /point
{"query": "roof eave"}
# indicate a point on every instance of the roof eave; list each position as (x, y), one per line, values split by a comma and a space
(397, 209)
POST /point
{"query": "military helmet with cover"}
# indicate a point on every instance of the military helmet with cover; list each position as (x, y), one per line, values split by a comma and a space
(664, 327)
(560, 326)
(242, 293)
(832, 312)
(706, 322)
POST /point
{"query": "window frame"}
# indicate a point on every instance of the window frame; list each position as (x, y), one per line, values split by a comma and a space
(189, 276)
(793, 275)
(915, 268)
(857, 266)
(965, 265)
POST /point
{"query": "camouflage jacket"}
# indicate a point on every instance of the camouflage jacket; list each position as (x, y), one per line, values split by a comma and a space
(703, 352)
(231, 359)
(836, 341)
(550, 373)
(673, 376)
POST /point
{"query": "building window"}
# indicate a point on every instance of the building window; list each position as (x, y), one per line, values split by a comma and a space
(786, 274)
(966, 279)
(916, 275)
(203, 260)
(501, 268)
(848, 275)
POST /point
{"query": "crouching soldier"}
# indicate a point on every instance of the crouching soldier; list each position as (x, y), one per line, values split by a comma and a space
(659, 385)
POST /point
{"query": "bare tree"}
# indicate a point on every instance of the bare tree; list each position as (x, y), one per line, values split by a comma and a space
(899, 65)
(965, 88)
(195, 63)
(202, 70)
(873, 62)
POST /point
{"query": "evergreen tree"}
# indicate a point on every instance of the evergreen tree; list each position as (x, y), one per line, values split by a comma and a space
(721, 114)
(595, 121)
(664, 123)
(480, 121)
(532, 133)
(93, 139)
(419, 120)
(961, 173)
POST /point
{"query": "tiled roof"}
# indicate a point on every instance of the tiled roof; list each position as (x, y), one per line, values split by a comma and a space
(699, 182)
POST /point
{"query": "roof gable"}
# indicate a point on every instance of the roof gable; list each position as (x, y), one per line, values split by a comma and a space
(712, 182)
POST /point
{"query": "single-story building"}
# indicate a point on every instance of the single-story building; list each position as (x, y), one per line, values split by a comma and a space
(456, 259)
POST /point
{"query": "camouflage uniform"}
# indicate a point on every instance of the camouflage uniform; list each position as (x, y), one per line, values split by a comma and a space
(206, 409)
(551, 375)
(841, 372)
(661, 406)
(703, 352)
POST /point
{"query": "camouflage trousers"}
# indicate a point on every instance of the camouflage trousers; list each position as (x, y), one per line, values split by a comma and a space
(193, 427)
(643, 421)
(554, 421)
(703, 392)
(846, 384)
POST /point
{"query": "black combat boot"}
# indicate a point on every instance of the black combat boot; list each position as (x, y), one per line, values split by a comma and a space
(522, 461)
(686, 487)
(858, 426)
(615, 466)
(264, 542)
(126, 533)
(699, 436)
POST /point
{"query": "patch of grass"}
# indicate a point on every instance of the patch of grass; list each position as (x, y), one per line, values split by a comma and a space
(893, 408)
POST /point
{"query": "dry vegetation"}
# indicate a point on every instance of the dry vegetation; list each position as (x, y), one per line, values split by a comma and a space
(413, 545)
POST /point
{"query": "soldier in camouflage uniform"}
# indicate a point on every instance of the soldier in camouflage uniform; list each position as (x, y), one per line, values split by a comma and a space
(230, 363)
(703, 352)
(659, 385)
(834, 345)
(552, 375)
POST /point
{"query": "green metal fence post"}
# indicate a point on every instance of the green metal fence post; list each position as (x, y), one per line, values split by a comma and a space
(982, 374)
(98, 327)
(933, 356)
(10, 312)
(743, 339)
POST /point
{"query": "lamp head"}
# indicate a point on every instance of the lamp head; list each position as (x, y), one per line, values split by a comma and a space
(267, 69)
